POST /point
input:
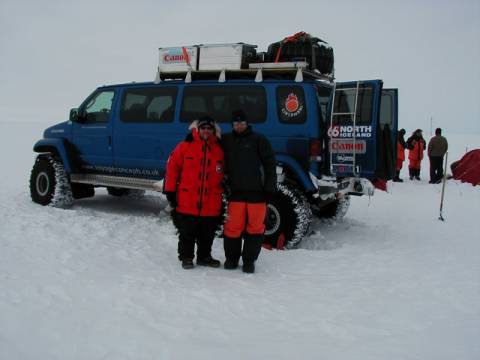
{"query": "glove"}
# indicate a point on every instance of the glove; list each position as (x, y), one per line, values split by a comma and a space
(171, 198)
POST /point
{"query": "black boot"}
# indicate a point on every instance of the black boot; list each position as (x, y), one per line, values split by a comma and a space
(251, 249)
(397, 177)
(233, 250)
(208, 261)
(417, 174)
(187, 264)
(248, 268)
(411, 173)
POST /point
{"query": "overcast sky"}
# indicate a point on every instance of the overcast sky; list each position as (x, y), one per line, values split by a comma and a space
(55, 53)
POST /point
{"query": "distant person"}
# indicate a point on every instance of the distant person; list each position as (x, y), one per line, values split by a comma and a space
(401, 146)
(416, 146)
(437, 148)
(193, 186)
(250, 171)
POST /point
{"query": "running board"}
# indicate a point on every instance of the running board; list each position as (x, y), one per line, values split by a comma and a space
(117, 181)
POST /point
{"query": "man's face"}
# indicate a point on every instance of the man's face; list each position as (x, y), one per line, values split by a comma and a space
(239, 126)
(205, 131)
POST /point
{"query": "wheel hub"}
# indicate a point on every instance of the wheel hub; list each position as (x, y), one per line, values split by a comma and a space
(272, 223)
(42, 183)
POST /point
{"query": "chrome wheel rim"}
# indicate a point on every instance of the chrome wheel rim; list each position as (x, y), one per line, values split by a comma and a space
(42, 183)
(272, 223)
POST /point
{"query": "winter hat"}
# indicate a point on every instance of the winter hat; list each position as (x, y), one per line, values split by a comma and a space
(402, 131)
(206, 120)
(238, 115)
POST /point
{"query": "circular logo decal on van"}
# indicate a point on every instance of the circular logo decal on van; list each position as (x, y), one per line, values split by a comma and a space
(292, 106)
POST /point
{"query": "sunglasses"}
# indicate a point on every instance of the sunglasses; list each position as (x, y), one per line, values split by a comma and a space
(206, 127)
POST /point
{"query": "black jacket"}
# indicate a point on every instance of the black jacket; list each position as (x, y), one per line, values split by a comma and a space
(250, 166)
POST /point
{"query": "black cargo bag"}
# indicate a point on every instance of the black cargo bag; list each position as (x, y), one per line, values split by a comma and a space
(303, 47)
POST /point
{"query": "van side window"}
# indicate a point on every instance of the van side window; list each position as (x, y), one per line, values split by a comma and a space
(148, 105)
(291, 107)
(98, 107)
(220, 101)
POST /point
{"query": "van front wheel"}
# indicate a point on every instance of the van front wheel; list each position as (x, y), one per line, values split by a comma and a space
(49, 183)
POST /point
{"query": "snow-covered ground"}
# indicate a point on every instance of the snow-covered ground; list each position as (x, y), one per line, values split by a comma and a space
(101, 280)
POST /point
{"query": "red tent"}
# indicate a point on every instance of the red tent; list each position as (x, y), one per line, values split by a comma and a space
(467, 169)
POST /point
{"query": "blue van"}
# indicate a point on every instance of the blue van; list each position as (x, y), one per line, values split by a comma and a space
(331, 140)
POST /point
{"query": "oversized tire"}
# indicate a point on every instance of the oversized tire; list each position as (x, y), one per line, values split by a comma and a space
(49, 183)
(335, 210)
(122, 192)
(288, 218)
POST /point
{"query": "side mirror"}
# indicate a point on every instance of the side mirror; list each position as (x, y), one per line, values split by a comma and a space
(73, 115)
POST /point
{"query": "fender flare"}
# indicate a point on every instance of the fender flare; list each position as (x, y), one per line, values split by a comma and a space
(57, 147)
(293, 165)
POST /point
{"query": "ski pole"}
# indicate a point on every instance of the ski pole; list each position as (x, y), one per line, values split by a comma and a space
(443, 188)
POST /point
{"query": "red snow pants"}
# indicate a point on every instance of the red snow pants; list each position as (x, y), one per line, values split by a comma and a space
(243, 216)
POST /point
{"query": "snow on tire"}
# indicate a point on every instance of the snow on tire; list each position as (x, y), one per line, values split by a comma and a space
(288, 218)
(336, 210)
(49, 183)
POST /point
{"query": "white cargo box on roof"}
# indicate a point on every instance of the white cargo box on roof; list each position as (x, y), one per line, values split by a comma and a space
(226, 56)
(178, 59)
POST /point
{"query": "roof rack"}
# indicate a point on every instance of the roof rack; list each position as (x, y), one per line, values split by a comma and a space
(297, 71)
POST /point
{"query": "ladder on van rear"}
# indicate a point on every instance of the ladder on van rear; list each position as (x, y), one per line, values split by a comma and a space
(343, 148)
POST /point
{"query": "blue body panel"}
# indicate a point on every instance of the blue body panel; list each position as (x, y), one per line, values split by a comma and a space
(56, 145)
(142, 149)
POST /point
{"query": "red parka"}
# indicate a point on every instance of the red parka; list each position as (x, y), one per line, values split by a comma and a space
(416, 148)
(195, 173)
(400, 152)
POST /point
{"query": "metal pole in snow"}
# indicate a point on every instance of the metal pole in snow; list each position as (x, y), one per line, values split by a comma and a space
(443, 188)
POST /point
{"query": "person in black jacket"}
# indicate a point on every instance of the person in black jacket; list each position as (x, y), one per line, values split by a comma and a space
(250, 173)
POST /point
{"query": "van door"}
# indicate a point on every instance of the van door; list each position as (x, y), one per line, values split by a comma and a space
(92, 132)
(145, 132)
(387, 135)
(353, 130)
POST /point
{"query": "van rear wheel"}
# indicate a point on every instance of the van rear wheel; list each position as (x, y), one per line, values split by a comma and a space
(288, 218)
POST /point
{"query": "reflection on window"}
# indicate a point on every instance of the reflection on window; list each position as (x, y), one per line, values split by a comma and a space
(386, 108)
(98, 108)
(344, 105)
(323, 97)
(219, 102)
(148, 105)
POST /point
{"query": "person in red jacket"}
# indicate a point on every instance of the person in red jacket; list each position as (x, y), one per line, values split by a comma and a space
(193, 186)
(416, 145)
(401, 145)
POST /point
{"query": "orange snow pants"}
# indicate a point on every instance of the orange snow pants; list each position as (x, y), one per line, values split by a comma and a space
(243, 216)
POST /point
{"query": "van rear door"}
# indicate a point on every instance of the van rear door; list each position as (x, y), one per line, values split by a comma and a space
(387, 135)
(354, 137)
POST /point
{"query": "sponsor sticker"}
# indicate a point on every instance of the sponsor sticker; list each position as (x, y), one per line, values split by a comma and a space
(292, 106)
(174, 56)
(348, 147)
(349, 131)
